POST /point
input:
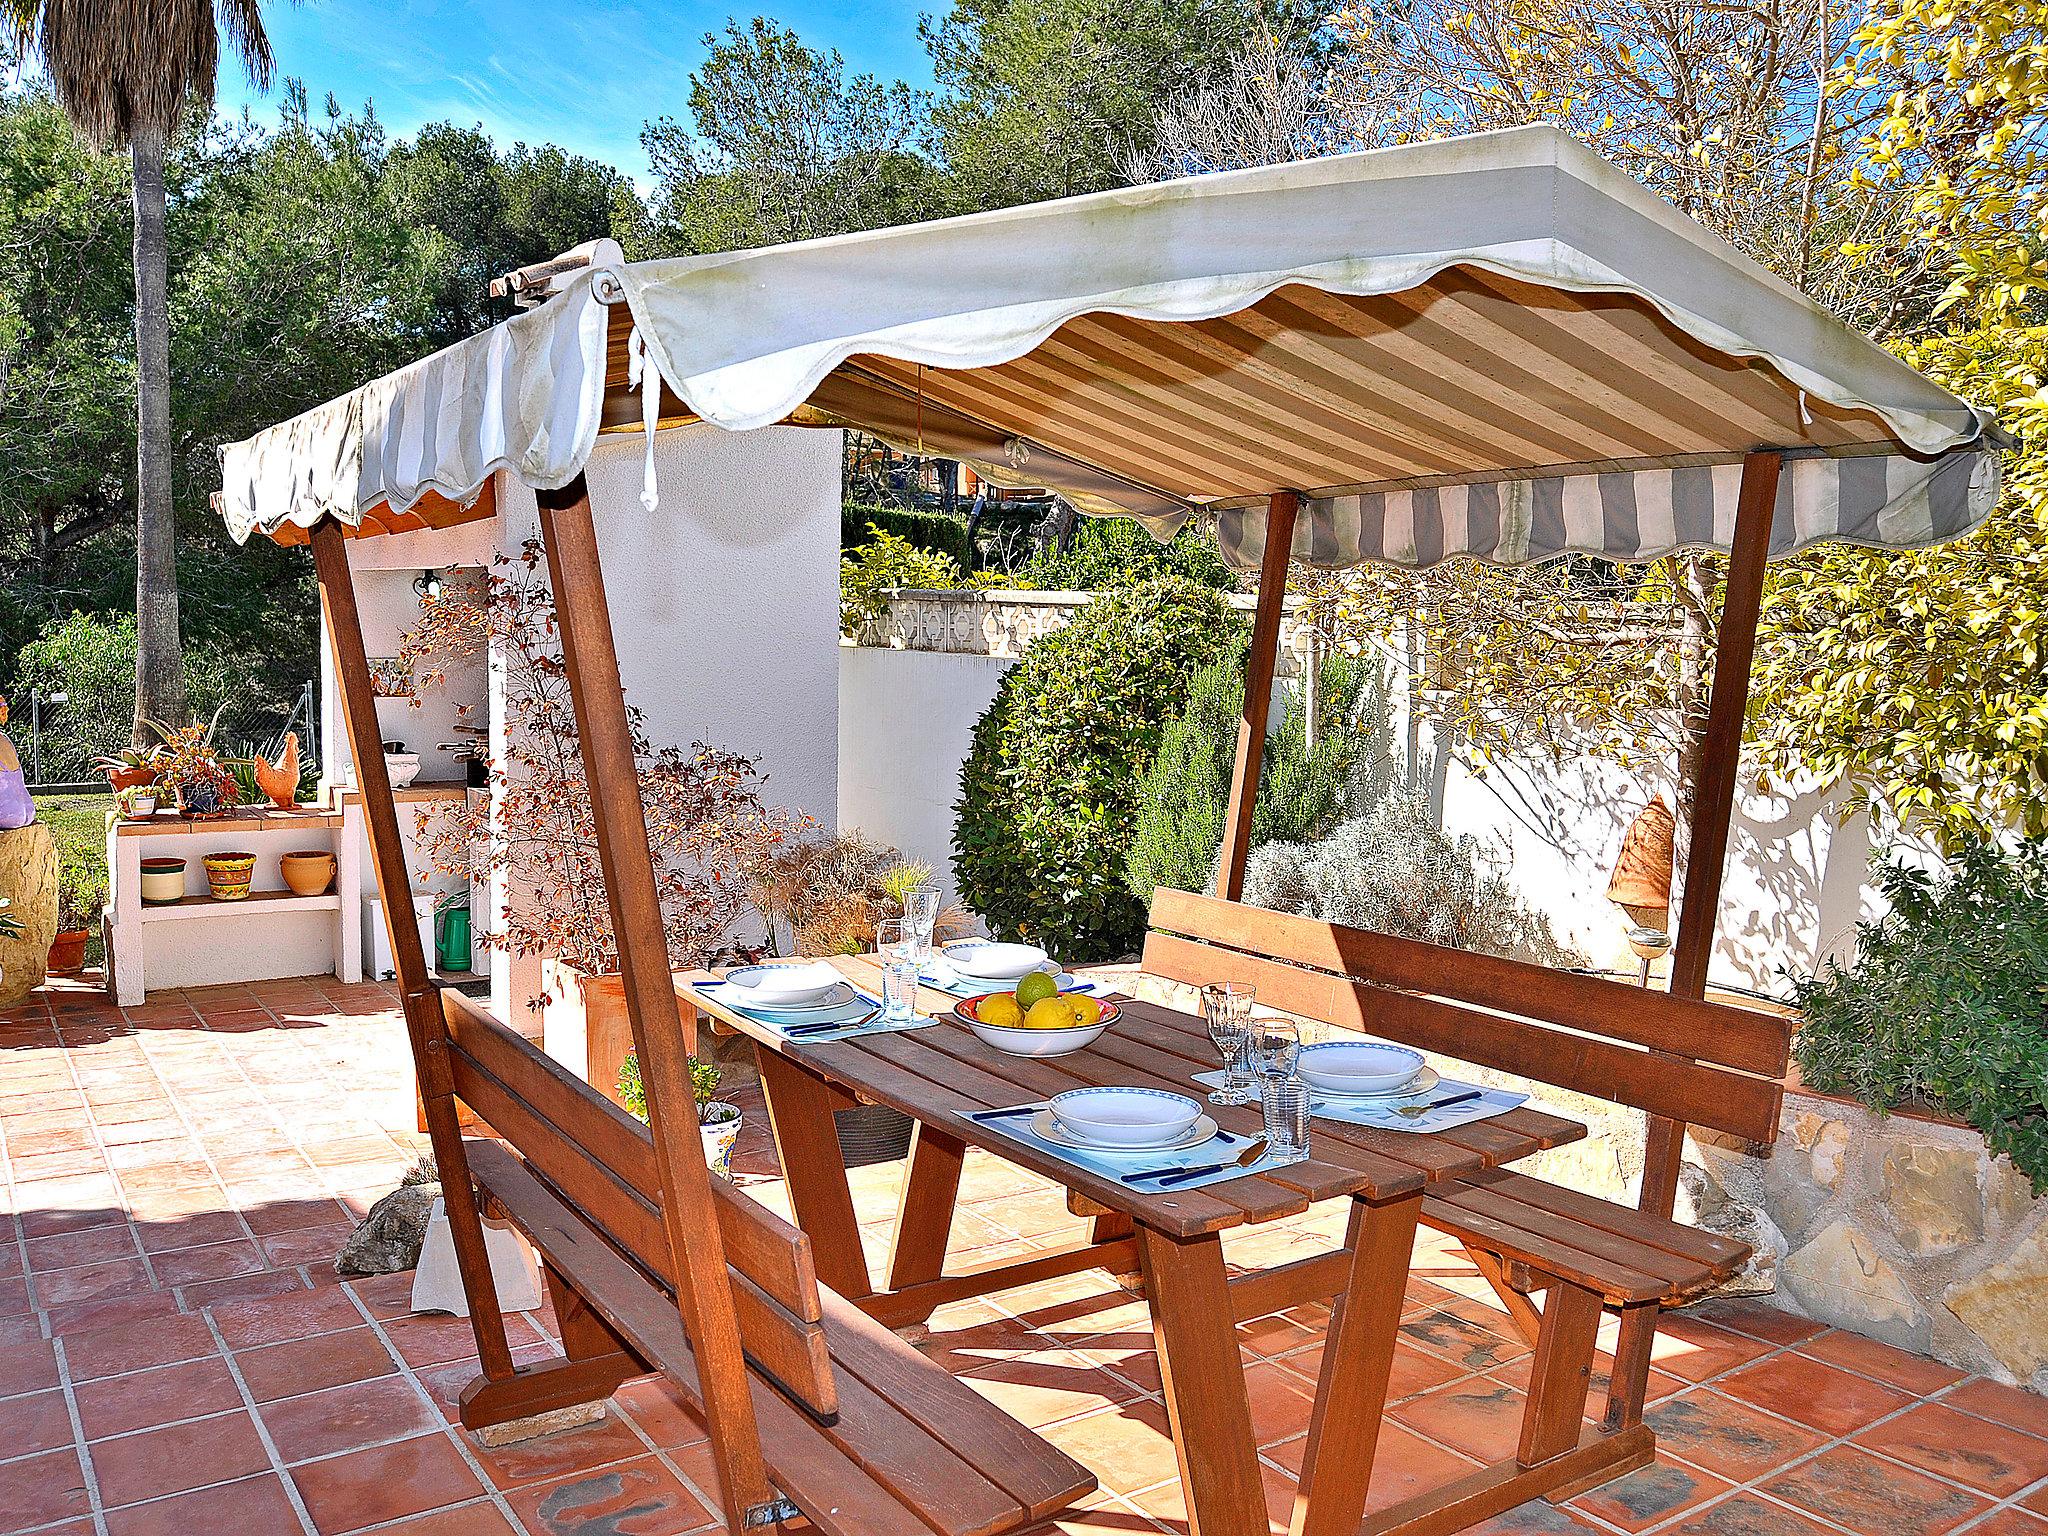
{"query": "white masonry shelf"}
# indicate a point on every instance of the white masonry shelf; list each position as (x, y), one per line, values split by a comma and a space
(256, 904)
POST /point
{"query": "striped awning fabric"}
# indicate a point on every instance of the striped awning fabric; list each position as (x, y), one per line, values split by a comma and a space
(1497, 346)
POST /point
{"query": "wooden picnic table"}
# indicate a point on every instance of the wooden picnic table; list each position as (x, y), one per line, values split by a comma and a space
(940, 1074)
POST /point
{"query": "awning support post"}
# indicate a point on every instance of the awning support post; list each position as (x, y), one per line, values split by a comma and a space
(1260, 662)
(688, 1208)
(424, 1021)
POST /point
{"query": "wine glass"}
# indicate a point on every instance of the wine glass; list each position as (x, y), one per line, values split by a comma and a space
(1227, 1006)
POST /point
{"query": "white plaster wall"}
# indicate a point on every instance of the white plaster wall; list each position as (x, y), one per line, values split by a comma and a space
(905, 723)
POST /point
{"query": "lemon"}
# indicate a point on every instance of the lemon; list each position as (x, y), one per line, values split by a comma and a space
(1001, 1010)
(1086, 1009)
(1035, 988)
(1049, 1013)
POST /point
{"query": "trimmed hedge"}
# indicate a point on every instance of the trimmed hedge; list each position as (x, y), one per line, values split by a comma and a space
(1049, 792)
(932, 531)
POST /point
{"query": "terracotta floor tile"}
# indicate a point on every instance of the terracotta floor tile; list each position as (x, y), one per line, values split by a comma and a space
(1126, 1447)
(137, 1346)
(2007, 1405)
(561, 1453)
(1168, 1504)
(36, 1422)
(480, 1519)
(1813, 1392)
(2011, 1522)
(347, 1418)
(632, 1498)
(1464, 1343)
(27, 1367)
(1990, 1457)
(111, 1312)
(1727, 1437)
(215, 1261)
(298, 1366)
(95, 1245)
(268, 1282)
(1697, 1350)
(252, 1505)
(428, 1340)
(662, 1416)
(1043, 1388)
(119, 1405)
(294, 1315)
(1744, 1514)
(189, 1231)
(306, 1245)
(384, 1482)
(1404, 1464)
(1894, 1367)
(1873, 1496)
(90, 1282)
(1650, 1495)
(177, 1457)
(1482, 1418)
(39, 1489)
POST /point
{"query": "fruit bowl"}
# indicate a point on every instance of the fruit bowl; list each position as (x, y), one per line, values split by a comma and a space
(1022, 1040)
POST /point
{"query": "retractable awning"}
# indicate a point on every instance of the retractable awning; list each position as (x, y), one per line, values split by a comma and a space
(1496, 345)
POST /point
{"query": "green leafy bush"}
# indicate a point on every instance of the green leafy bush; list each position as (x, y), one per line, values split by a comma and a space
(1303, 791)
(1116, 552)
(1946, 1002)
(1049, 792)
(78, 826)
(933, 532)
(705, 1077)
(887, 560)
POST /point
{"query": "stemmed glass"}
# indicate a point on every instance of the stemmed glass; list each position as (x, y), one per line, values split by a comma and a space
(921, 912)
(1228, 1007)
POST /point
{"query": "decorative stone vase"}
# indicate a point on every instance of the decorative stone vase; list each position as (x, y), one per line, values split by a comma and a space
(228, 875)
(67, 953)
(719, 1124)
(28, 879)
(307, 871)
(163, 881)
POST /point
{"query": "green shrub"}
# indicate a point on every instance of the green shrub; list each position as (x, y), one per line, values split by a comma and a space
(1116, 552)
(78, 826)
(705, 1077)
(1946, 1001)
(933, 532)
(1303, 791)
(887, 560)
(1048, 800)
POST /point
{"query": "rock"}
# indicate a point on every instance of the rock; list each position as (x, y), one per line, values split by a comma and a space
(28, 879)
(390, 1236)
(1828, 1150)
(1932, 1199)
(1714, 1210)
(2008, 1193)
(1841, 1278)
(2006, 1306)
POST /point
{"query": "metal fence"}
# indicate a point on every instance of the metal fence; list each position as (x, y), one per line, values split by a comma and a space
(59, 744)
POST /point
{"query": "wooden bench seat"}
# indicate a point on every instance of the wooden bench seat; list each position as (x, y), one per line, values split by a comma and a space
(1680, 1060)
(859, 1432)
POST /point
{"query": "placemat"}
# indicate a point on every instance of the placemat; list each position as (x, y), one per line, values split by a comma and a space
(1384, 1116)
(1123, 1167)
(842, 1023)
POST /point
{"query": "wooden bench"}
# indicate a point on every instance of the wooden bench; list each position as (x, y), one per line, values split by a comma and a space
(861, 1433)
(1679, 1060)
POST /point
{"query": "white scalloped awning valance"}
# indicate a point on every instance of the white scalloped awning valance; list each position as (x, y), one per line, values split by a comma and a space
(1496, 345)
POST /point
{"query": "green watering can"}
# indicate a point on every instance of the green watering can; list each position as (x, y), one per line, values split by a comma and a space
(452, 947)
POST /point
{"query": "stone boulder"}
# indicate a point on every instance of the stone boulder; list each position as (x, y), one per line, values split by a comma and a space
(2006, 1306)
(28, 879)
(390, 1236)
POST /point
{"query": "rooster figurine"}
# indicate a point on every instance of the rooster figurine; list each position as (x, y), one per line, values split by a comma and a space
(282, 782)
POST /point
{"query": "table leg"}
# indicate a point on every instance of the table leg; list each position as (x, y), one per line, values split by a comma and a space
(1358, 1357)
(1207, 1406)
(806, 1141)
(924, 1216)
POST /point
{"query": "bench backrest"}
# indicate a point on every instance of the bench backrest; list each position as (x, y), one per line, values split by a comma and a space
(601, 1161)
(1673, 1057)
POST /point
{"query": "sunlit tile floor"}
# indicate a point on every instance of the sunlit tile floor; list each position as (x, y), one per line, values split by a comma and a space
(177, 1356)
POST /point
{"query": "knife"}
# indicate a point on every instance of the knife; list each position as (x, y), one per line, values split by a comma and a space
(800, 1031)
(1416, 1111)
(1182, 1175)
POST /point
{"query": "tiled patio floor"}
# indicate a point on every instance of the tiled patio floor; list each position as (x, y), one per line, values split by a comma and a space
(176, 1355)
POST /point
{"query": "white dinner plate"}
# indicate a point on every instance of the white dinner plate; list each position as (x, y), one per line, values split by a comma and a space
(1046, 1127)
(783, 986)
(989, 960)
(841, 994)
(1414, 1088)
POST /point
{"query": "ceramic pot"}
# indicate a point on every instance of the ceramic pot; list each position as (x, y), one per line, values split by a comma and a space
(403, 767)
(138, 801)
(163, 880)
(308, 872)
(199, 799)
(719, 1124)
(228, 875)
(67, 953)
(130, 778)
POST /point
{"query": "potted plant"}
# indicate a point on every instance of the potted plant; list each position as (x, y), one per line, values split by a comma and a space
(718, 1120)
(136, 802)
(131, 767)
(202, 782)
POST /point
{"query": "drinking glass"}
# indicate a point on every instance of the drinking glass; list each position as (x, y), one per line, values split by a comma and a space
(896, 942)
(1284, 1101)
(1228, 1007)
(1275, 1047)
(921, 912)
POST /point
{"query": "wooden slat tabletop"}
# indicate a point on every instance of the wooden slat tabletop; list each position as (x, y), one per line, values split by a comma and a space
(941, 1073)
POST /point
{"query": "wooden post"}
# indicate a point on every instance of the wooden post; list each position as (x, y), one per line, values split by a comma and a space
(423, 1018)
(1259, 664)
(688, 1209)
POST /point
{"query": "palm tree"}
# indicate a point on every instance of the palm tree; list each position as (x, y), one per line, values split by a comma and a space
(125, 71)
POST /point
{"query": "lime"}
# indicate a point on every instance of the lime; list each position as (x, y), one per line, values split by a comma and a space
(1035, 988)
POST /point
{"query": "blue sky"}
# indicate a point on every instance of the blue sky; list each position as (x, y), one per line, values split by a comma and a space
(580, 73)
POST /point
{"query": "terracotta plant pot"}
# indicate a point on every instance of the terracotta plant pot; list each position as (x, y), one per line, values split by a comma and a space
(228, 875)
(67, 953)
(163, 881)
(308, 872)
(125, 778)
